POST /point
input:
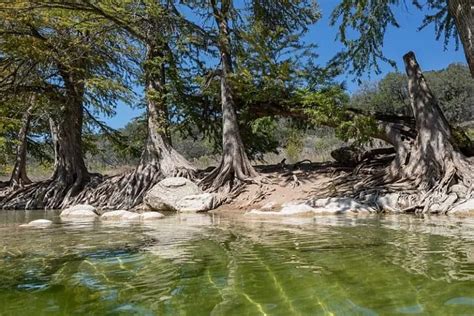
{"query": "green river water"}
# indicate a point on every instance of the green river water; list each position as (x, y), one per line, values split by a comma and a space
(200, 264)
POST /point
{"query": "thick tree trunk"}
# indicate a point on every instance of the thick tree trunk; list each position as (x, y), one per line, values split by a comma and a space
(158, 149)
(463, 13)
(70, 169)
(234, 165)
(19, 177)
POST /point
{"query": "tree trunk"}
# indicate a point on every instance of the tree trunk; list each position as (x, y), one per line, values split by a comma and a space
(19, 177)
(70, 169)
(463, 13)
(234, 165)
(158, 148)
(54, 139)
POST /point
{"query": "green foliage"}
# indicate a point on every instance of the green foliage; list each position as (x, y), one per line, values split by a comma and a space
(389, 95)
(55, 55)
(454, 90)
(294, 144)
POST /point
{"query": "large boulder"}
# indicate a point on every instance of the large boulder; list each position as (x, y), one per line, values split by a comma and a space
(79, 212)
(164, 196)
(196, 203)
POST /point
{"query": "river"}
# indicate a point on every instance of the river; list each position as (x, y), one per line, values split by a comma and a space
(201, 264)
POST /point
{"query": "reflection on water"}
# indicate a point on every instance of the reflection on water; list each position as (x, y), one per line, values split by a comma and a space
(204, 264)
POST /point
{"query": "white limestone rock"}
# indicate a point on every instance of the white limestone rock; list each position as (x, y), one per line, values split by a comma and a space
(196, 203)
(39, 223)
(120, 215)
(389, 202)
(342, 205)
(79, 212)
(465, 208)
(288, 209)
(149, 216)
(164, 196)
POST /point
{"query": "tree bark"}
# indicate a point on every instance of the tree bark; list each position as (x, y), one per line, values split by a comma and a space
(234, 164)
(54, 139)
(463, 13)
(19, 177)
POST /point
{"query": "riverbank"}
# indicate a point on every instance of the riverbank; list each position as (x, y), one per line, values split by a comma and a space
(323, 189)
(302, 189)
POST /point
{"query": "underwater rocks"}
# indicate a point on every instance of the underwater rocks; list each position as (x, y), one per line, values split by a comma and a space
(39, 223)
(326, 206)
(122, 215)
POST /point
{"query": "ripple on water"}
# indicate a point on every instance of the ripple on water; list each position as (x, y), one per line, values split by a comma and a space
(201, 264)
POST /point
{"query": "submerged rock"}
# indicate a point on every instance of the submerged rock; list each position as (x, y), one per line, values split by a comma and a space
(339, 205)
(196, 203)
(120, 215)
(124, 216)
(79, 212)
(178, 194)
(389, 202)
(39, 223)
(151, 216)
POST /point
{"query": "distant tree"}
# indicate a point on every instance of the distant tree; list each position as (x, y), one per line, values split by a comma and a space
(453, 87)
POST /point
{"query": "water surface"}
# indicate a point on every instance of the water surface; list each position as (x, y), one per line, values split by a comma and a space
(204, 264)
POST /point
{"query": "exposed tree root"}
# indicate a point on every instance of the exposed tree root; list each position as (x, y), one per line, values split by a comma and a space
(232, 171)
(49, 194)
(124, 191)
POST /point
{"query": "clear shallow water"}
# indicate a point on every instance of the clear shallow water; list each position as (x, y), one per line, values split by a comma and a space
(201, 265)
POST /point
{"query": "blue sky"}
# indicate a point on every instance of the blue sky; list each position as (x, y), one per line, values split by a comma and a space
(430, 53)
